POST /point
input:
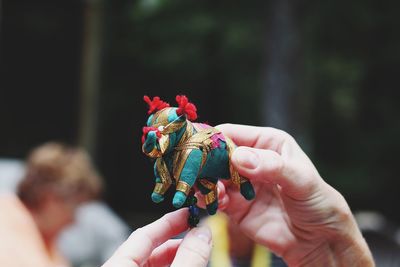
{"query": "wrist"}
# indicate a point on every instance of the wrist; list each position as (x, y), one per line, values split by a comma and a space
(352, 250)
(348, 244)
(343, 244)
(346, 248)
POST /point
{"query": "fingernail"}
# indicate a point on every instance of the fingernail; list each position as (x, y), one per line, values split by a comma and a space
(203, 233)
(246, 158)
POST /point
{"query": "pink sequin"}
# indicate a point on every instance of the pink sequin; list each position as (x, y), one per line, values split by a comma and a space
(216, 138)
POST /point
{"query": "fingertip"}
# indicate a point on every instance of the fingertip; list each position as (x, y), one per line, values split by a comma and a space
(200, 200)
(223, 203)
(259, 164)
(195, 248)
(202, 232)
(246, 158)
(221, 189)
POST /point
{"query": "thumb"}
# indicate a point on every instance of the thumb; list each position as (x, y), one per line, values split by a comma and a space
(195, 248)
(267, 166)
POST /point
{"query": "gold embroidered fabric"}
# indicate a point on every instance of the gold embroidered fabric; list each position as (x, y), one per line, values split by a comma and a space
(189, 141)
(161, 166)
(200, 140)
(155, 153)
(164, 143)
(207, 184)
(183, 187)
(235, 176)
(163, 171)
(211, 196)
(161, 119)
(160, 188)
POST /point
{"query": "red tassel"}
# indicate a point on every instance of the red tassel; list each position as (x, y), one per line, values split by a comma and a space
(185, 107)
(146, 130)
(155, 104)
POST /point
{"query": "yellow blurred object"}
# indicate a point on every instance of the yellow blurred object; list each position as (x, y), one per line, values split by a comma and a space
(220, 254)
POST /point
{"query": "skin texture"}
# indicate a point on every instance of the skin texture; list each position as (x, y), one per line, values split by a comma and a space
(151, 245)
(296, 214)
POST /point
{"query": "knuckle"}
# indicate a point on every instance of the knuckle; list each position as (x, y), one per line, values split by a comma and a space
(199, 251)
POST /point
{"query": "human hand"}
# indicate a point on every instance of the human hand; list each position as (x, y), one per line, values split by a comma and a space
(296, 213)
(150, 245)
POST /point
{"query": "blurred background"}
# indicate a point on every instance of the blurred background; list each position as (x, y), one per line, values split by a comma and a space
(325, 71)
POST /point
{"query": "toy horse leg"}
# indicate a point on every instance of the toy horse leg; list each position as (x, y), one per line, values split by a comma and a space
(246, 188)
(162, 183)
(187, 177)
(208, 187)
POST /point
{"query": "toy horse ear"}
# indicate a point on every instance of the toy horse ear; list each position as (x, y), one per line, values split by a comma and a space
(155, 104)
(185, 107)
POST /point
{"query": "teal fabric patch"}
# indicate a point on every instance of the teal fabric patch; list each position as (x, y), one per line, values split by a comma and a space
(191, 168)
(217, 163)
(172, 115)
(149, 120)
(150, 142)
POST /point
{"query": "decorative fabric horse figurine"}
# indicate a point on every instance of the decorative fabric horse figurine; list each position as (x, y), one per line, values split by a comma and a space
(188, 154)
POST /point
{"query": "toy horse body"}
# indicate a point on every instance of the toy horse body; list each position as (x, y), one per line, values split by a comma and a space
(188, 154)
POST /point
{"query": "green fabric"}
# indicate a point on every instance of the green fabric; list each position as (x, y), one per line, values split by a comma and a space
(150, 142)
(217, 163)
(192, 166)
(149, 120)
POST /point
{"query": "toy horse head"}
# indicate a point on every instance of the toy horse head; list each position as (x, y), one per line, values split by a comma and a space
(165, 125)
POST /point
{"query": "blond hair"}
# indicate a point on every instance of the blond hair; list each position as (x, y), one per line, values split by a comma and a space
(65, 171)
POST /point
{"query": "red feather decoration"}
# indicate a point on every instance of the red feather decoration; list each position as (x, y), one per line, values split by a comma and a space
(155, 104)
(146, 130)
(185, 107)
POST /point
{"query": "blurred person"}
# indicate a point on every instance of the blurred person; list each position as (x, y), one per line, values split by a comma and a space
(57, 179)
(94, 236)
(11, 172)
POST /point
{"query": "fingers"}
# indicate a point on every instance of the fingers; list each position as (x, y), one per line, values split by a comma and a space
(252, 136)
(195, 248)
(271, 155)
(143, 241)
(164, 254)
(297, 179)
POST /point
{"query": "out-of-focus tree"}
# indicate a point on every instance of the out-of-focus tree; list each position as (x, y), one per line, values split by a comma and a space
(352, 65)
